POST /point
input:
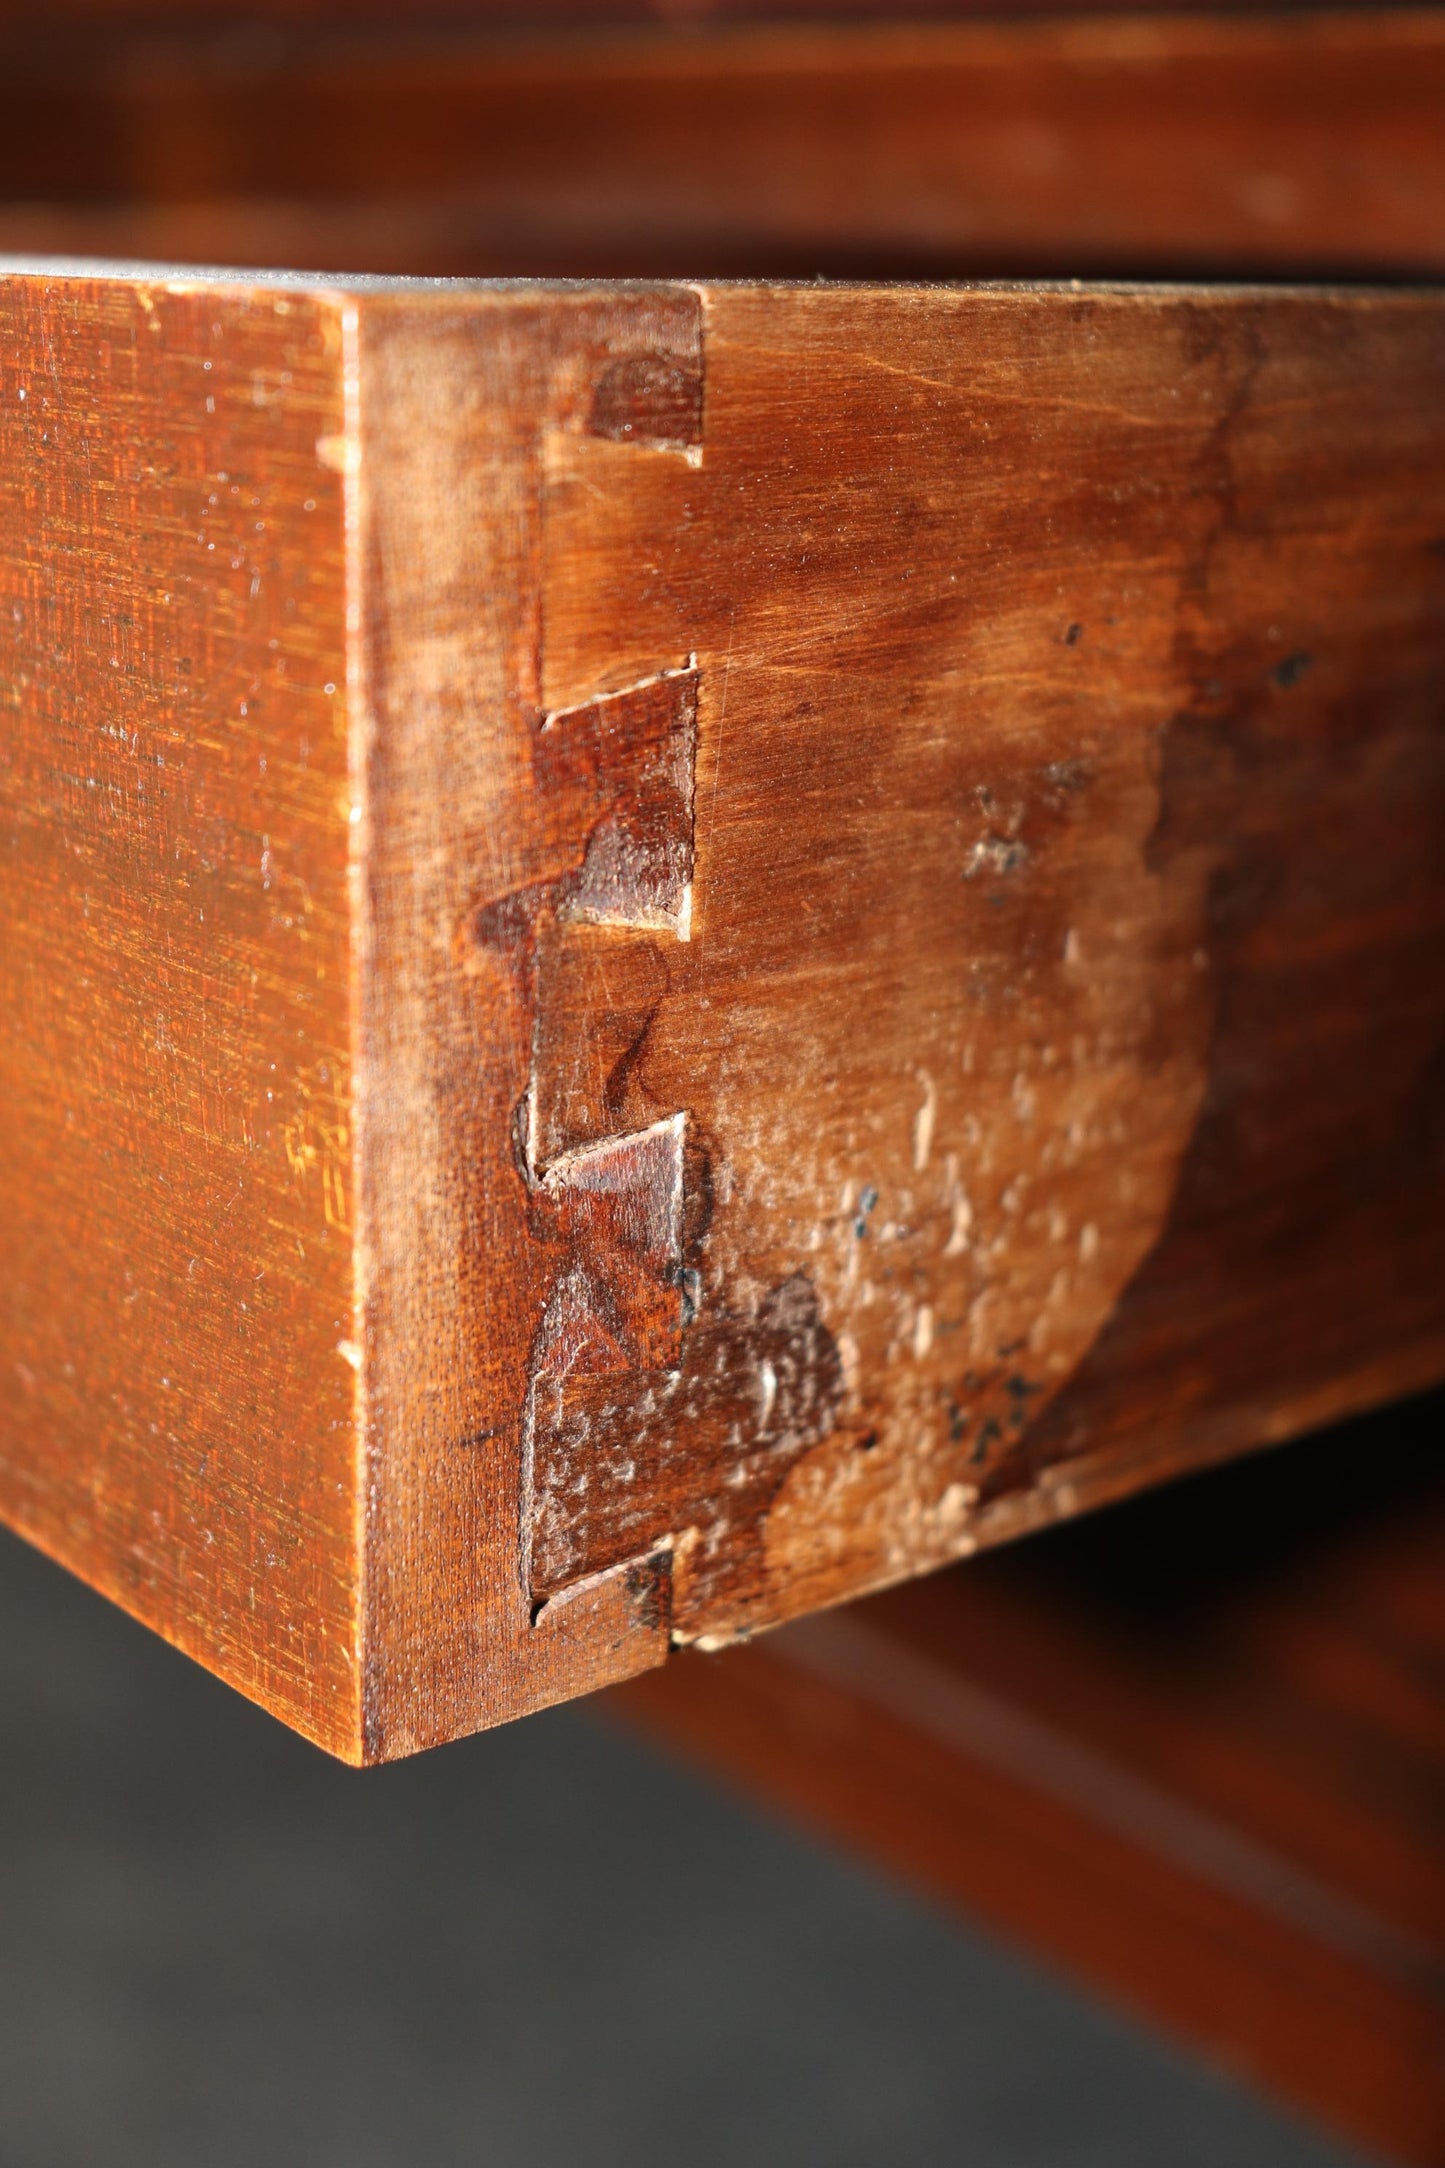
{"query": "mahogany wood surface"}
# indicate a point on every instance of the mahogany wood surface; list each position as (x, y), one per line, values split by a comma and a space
(175, 1152)
(676, 16)
(1192, 1750)
(670, 952)
(1298, 144)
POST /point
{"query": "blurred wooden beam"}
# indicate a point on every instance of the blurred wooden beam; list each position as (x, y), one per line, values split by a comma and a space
(1192, 1751)
(1222, 145)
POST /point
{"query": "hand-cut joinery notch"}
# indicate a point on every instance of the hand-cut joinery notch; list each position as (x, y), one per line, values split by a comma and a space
(612, 796)
(617, 1307)
(623, 1198)
(689, 1456)
(620, 768)
(654, 400)
(614, 780)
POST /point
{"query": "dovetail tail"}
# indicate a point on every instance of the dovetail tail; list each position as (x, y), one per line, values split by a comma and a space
(685, 668)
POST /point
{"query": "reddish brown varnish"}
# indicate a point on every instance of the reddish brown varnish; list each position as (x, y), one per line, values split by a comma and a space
(669, 952)
(564, 14)
(176, 1149)
(1295, 143)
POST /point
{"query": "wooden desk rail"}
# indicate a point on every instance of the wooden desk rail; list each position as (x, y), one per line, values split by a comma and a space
(667, 952)
(1191, 1750)
(1277, 144)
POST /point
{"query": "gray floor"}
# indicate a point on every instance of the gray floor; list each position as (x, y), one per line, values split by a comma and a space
(544, 1947)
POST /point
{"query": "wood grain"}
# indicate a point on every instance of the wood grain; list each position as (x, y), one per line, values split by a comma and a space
(565, 14)
(1304, 144)
(175, 1154)
(463, 1244)
(876, 864)
(1101, 708)
(1190, 1750)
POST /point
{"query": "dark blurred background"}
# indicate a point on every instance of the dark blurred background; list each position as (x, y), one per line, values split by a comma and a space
(548, 1947)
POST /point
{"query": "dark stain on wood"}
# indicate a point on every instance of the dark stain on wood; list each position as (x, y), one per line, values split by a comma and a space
(1311, 1188)
(696, 1454)
(648, 400)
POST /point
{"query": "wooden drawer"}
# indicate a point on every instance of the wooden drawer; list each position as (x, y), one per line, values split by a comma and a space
(670, 951)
